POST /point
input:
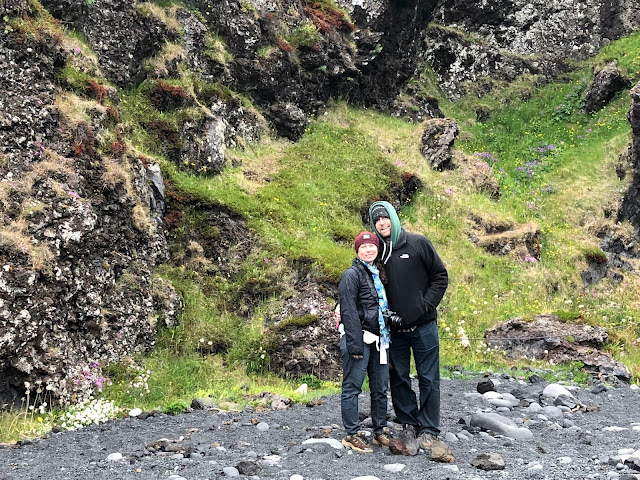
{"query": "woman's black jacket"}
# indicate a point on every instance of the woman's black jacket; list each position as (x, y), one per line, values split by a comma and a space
(359, 305)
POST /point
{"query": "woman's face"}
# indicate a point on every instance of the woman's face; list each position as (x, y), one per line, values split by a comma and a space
(367, 252)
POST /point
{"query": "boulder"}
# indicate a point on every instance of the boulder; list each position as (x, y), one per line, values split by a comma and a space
(437, 141)
(544, 337)
(606, 84)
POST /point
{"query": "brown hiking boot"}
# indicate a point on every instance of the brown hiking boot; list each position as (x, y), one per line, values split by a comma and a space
(381, 438)
(426, 440)
(357, 443)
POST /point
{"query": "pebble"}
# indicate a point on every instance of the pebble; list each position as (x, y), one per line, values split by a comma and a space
(553, 390)
(450, 437)
(394, 467)
(296, 477)
(329, 441)
(135, 412)
(114, 457)
(231, 472)
(273, 460)
(262, 426)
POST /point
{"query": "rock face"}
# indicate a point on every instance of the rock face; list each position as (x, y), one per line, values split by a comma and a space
(78, 241)
(631, 203)
(121, 34)
(520, 36)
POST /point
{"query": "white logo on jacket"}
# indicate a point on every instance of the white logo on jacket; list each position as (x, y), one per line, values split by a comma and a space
(404, 255)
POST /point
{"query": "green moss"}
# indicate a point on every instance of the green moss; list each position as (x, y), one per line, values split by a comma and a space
(216, 50)
(567, 316)
(293, 323)
(305, 36)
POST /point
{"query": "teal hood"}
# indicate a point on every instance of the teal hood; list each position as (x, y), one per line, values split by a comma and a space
(395, 224)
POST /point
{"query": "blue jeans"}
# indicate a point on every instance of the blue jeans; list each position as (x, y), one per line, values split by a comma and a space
(425, 344)
(353, 373)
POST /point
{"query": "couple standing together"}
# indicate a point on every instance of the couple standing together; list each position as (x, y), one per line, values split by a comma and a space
(388, 300)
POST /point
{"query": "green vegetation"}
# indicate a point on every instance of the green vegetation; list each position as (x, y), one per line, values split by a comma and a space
(306, 35)
(555, 165)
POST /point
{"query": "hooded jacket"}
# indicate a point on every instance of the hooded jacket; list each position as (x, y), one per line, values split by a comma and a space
(359, 306)
(417, 277)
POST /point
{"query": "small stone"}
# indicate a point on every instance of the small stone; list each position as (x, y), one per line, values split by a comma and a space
(262, 426)
(114, 457)
(330, 441)
(231, 472)
(394, 467)
(134, 412)
(489, 461)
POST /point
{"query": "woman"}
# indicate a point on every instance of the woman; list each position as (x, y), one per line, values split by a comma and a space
(363, 343)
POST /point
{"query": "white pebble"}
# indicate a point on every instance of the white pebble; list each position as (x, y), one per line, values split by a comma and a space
(114, 457)
(394, 467)
(231, 471)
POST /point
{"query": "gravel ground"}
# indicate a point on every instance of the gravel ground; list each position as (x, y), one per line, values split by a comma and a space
(268, 445)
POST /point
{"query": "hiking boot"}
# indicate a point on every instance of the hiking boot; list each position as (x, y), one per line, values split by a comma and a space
(409, 431)
(381, 438)
(426, 440)
(357, 443)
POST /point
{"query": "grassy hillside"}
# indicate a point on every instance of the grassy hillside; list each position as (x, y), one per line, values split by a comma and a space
(555, 165)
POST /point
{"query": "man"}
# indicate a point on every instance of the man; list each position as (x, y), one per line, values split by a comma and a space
(417, 280)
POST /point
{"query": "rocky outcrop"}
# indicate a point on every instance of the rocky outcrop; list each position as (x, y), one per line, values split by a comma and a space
(438, 137)
(389, 41)
(505, 237)
(122, 34)
(502, 40)
(77, 240)
(607, 82)
(546, 338)
(631, 204)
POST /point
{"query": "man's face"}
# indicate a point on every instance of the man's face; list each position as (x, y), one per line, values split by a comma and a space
(383, 226)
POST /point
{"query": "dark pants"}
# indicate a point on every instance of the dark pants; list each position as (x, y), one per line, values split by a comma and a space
(426, 352)
(353, 373)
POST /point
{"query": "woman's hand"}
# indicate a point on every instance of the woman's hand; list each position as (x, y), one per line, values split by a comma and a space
(357, 357)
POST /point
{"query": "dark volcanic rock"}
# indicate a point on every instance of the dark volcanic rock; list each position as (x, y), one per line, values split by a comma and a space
(78, 240)
(121, 34)
(547, 338)
(606, 83)
(631, 203)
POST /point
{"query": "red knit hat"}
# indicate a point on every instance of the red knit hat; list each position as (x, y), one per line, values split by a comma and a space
(366, 237)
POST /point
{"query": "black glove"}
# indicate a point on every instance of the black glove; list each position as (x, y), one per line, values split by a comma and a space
(392, 319)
